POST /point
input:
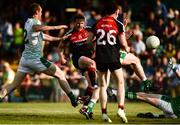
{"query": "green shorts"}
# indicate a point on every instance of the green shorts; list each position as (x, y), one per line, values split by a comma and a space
(122, 55)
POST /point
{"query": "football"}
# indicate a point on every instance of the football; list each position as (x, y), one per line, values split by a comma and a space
(152, 42)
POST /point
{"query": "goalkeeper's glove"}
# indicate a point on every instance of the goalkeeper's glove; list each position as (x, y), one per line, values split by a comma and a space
(172, 65)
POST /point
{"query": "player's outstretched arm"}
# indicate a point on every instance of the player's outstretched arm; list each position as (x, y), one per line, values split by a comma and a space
(52, 38)
(61, 48)
(46, 28)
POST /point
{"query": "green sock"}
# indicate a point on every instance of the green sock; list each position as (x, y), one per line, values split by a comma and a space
(72, 97)
(131, 95)
(145, 85)
(90, 106)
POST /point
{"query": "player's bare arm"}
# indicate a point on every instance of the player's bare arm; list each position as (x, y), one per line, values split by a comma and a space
(46, 28)
(90, 37)
(61, 53)
(122, 39)
(61, 46)
(51, 38)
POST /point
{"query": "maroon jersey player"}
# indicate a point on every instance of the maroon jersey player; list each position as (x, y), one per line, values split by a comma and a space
(110, 36)
(82, 55)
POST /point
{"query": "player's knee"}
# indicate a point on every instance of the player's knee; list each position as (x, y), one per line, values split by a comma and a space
(92, 65)
(96, 93)
(135, 60)
(103, 85)
(91, 68)
(60, 74)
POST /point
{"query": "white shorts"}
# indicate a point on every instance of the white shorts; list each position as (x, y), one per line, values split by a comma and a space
(122, 55)
(33, 65)
(167, 109)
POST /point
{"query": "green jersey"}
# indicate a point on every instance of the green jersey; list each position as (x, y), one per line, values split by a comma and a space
(33, 40)
(175, 103)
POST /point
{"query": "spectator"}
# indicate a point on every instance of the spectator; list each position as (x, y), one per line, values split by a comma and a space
(18, 39)
(7, 34)
(7, 77)
(171, 31)
(160, 10)
(150, 24)
(178, 56)
(92, 19)
(138, 44)
(160, 29)
(174, 82)
(164, 63)
(171, 14)
(136, 29)
(170, 51)
(149, 69)
(177, 19)
(158, 80)
(24, 88)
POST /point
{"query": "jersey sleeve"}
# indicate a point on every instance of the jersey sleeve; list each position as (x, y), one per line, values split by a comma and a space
(88, 28)
(67, 33)
(42, 35)
(121, 27)
(28, 25)
(93, 29)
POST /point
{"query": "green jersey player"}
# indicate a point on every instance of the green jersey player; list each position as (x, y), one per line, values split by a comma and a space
(170, 106)
(32, 58)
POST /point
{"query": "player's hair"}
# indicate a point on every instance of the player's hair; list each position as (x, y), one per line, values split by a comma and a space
(110, 8)
(33, 8)
(79, 17)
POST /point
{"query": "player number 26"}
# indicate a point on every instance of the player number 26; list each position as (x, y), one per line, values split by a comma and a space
(111, 39)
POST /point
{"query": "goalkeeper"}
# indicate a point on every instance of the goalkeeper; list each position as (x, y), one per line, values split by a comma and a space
(169, 105)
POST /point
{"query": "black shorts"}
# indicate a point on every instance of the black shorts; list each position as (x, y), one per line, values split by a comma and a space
(76, 64)
(76, 56)
(103, 67)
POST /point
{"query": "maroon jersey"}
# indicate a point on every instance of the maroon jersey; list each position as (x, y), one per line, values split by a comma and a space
(106, 31)
(78, 45)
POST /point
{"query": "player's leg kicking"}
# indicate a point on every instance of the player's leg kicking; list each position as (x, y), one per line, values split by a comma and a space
(131, 59)
(92, 91)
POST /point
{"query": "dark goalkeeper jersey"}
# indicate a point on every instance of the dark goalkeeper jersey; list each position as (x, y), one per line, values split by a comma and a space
(175, 102)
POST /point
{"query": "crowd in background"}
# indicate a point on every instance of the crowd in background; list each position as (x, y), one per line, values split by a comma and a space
(153, 18)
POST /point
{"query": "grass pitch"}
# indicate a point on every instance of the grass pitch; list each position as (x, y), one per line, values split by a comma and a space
(64, 113)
